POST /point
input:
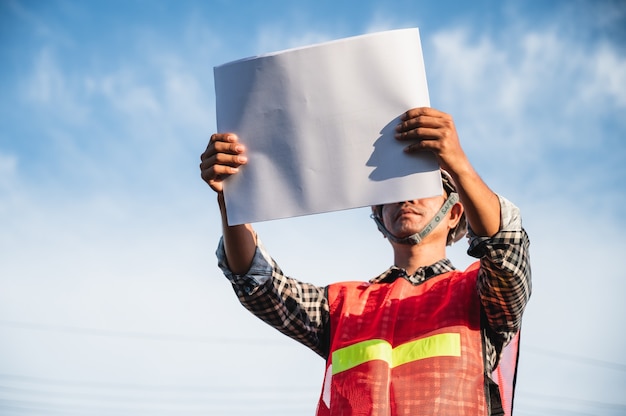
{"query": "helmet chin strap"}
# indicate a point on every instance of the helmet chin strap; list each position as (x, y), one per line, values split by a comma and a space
(419, 236)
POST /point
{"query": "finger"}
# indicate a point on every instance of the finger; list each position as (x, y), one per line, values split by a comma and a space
(223, 160)
(423, 124)
(233, 149)
(414, 112)
(418, 121)
(418, 131)
(223, 137)
(424, 145)
(217, 173)
(214, 175)
(422, 111)
(223, 144)
(220, 138)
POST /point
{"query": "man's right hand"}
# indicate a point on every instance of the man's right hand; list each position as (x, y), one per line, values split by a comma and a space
(223, 157)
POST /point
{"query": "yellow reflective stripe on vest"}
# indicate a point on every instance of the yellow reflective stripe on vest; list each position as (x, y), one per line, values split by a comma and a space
(441, 345)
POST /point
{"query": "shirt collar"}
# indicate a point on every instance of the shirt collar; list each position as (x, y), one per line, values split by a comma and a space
(421, 274)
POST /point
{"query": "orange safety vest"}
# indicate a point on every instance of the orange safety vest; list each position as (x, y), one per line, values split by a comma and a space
(400, 349)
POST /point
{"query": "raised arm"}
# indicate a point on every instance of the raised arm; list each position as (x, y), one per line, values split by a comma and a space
(223, 157)
(504, 282)
(433, 130)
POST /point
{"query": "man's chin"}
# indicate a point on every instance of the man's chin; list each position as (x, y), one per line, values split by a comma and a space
(404, 233)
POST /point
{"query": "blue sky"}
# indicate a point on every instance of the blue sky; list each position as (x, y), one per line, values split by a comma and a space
(111, 302)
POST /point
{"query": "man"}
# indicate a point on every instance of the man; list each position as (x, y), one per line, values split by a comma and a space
(423, 337)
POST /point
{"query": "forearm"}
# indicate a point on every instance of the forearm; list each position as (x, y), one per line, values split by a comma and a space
(480, 203)
(239, 242)
(297, 309)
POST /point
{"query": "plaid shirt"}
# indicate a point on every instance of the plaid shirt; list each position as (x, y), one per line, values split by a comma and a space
(301, 311)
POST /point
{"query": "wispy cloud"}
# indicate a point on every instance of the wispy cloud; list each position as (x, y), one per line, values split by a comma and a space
(8, 165)
(531, 102)
(48, 88)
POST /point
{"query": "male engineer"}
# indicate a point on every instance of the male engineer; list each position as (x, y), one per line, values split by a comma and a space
(422, 338)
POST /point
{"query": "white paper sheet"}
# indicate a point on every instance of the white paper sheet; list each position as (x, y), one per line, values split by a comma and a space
(318, 123)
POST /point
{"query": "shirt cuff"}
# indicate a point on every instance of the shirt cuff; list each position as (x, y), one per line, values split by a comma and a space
(510, 218)
(260, 269)
(510, 227)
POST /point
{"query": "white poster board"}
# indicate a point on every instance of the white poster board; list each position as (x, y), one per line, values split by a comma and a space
(318, 123)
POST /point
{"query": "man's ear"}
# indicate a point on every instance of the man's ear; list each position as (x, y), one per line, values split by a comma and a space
(456, 212)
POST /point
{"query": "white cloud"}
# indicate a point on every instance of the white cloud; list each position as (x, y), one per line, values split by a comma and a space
(48, 88)
(46, 80)
(537, 110)
(274, 38)
(187, 98)
(538, 74)
(125, 92)
(8, 168)
(607, 77)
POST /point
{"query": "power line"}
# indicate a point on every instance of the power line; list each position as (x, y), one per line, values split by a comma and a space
(168, 397)
(140, 335)
(579, 359)
(531, 410)
(593, 404)
(61, 396)
(157, 388)
(231, 407)
(567, 407)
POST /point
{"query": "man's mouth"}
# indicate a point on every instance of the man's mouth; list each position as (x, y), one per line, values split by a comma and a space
(407, 211)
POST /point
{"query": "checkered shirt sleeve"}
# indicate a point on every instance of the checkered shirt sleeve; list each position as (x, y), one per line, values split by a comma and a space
(504, 279)
(297, 309)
